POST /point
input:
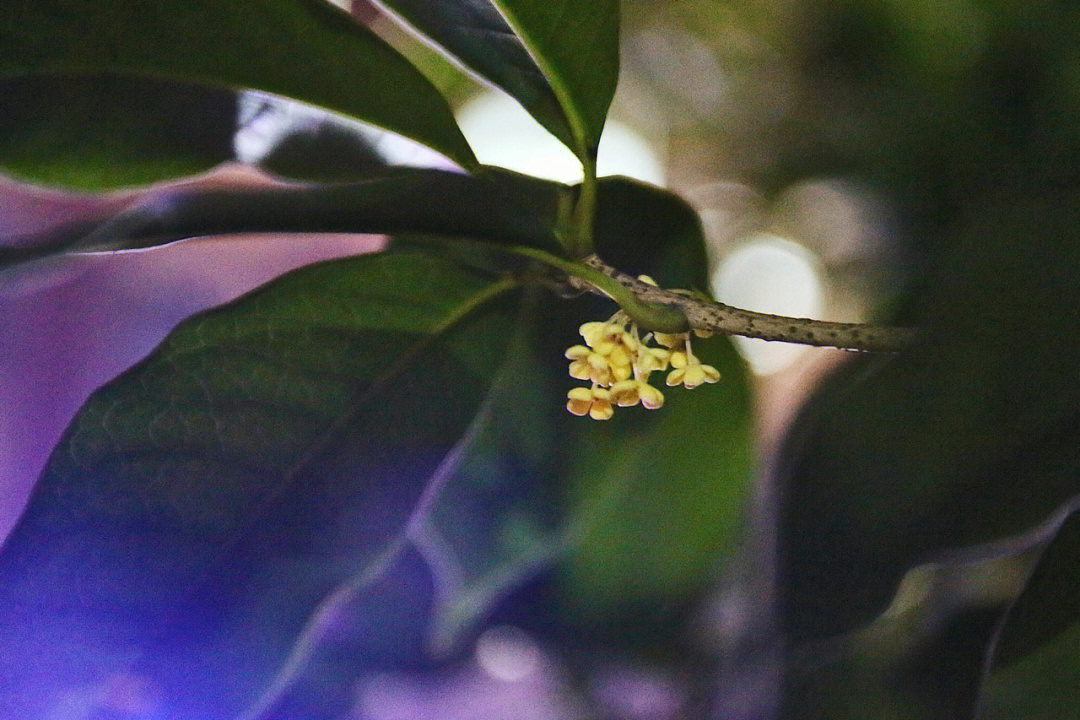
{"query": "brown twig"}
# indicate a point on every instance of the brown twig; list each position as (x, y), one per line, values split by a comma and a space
(727, 320)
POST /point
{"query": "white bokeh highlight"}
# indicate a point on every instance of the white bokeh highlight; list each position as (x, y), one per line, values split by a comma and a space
(768, 273)
(507, 653)
(502, 133)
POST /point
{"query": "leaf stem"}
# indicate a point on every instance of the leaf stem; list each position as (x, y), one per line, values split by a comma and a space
(584, 209)
(661, 315)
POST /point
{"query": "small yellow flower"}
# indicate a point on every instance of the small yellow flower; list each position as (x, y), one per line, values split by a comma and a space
(594, 402)
(650, 359)
(630, 392)
(588, 365)
(599, 334)
(672, 341)
(618, 362)
(693, 374)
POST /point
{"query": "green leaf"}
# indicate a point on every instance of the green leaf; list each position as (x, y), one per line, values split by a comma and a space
(926, 655)
(912, 666)
(1036, 661)
(499, 516)
(656, 499)
(1050, 603)
(476, 34)
(328, 151)
(964, 438)
(544, 489)
(659, 497)
(204, 503)
(304, 49)
(1041, 686)
(103, 131)
(576, 45)
(496, 206)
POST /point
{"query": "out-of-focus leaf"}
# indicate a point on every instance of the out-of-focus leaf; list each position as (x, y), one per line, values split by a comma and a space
(1051, 601)
(656, 498)
(894, 669)
(1040, 686)
(961, 439)
(204, 503)
(925, 656)
(496, 206)
(301, 142)
(576, 45)
(102, 131)
(475, 33)
(303, 49)
(378, 620)
(1036, 663)
(544, 489)
(326, 153)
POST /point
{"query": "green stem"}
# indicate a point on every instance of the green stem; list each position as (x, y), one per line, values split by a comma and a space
(584, 209)
(658, 316)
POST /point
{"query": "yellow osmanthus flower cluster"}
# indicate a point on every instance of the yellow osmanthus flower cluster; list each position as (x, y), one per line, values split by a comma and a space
(617, 362)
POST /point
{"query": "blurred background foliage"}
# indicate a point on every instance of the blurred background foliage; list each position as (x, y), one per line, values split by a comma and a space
(907, 549)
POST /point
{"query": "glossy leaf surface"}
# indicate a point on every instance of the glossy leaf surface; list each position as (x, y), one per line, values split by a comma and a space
(303, 49)
(93, 132)
(576, 44)
(474, 32)
(497, 206)
(202, 505)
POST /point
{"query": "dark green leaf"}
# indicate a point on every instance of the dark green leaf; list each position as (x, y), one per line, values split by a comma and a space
(1041, 686)
(303, 49)
(906, 667)
(200, 506)
(1036, 661)
(302, 143)
(925, 655)
(656, 498)
(576, 45)
(475, 33)
(640, 228)
(962, 439)
(497, 518)
(103, 131)
(542, 488)
(496, 206)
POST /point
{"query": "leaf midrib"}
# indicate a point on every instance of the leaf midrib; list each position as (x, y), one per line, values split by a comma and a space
(393, 370)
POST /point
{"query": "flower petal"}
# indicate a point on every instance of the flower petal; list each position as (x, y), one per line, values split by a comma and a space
(576, 352)
(601, 410)
(651, 398)
(580, 370)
